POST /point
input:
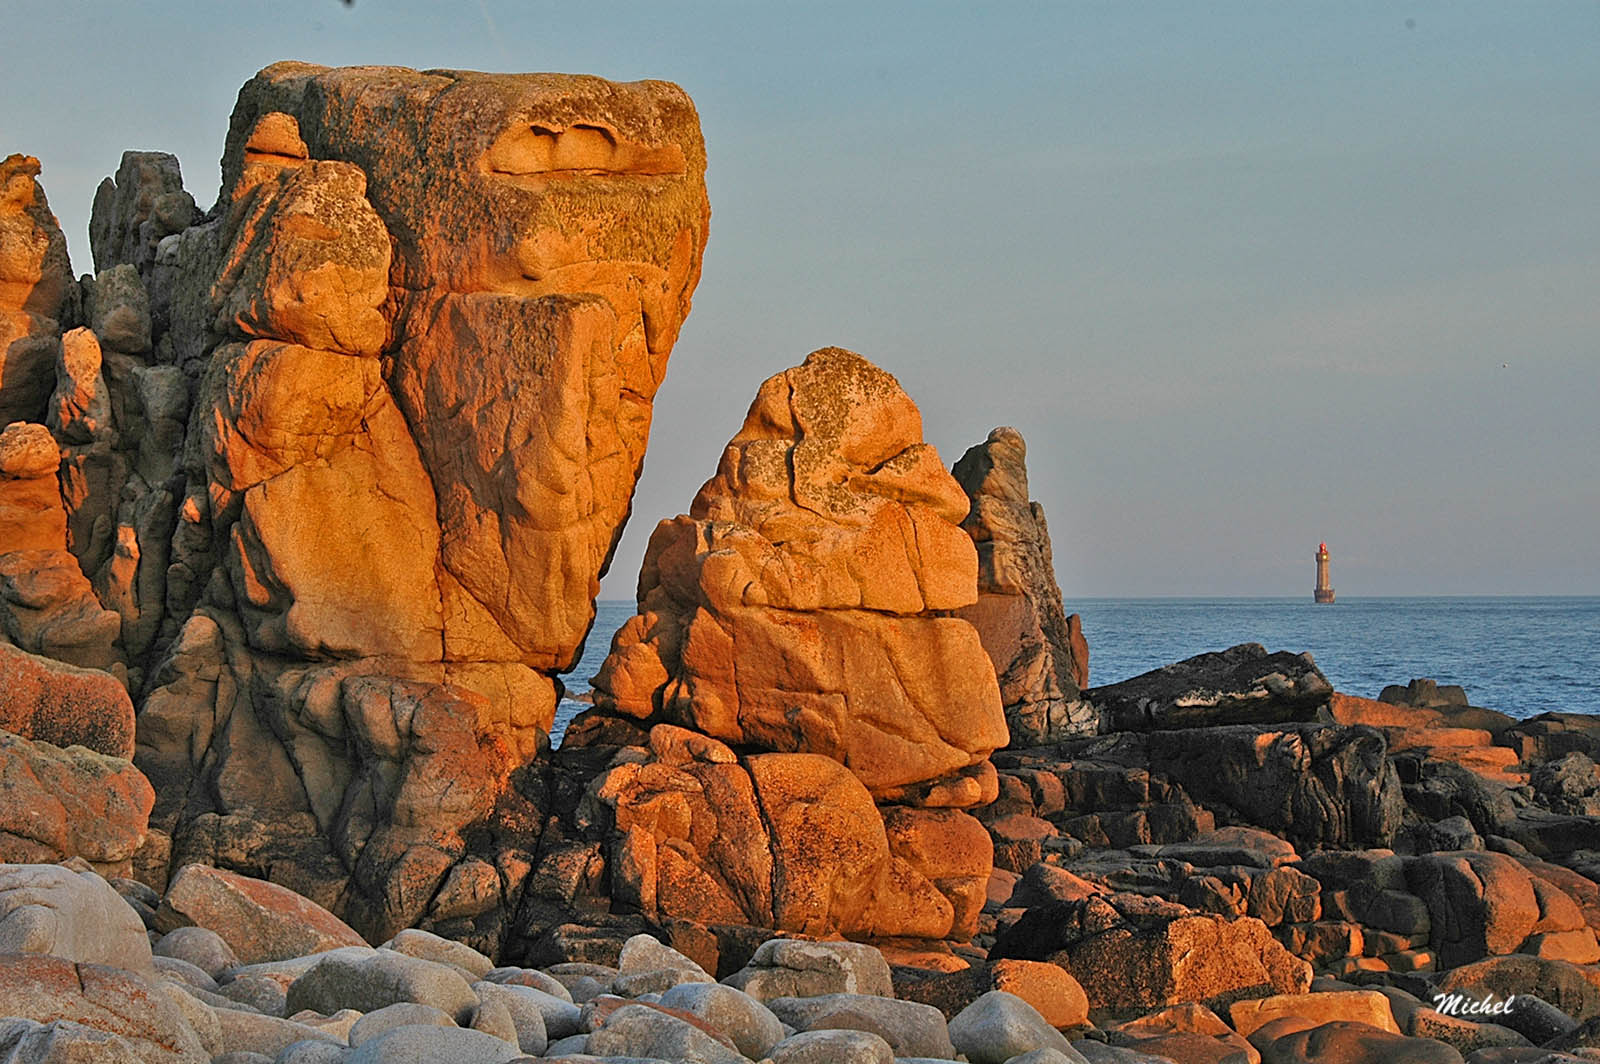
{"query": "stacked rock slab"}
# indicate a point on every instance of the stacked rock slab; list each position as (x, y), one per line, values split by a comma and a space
(1039, 652)
(817, 717)
(422, 327)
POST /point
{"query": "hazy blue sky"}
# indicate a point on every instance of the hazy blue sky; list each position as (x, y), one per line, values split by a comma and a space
(1244, 275)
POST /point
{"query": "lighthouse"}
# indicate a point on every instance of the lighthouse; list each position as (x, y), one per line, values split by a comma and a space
(1324, 590)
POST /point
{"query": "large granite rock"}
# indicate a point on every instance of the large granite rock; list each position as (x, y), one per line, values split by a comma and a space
(115, 1002)
(1240, 685)
(56, 804)
(798, 607)
(798, 615)
(1038, 651)
(71, 913)
(422, 330)
(1132, 955)
(63, 705)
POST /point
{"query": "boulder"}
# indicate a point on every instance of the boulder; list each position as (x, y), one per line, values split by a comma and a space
(1479, 903)
(366, 983)
(526, 1013)
(59, 911)
(1241, 685)
(784, 967)
(794, 609)
(133, 211)
(1345, 1042)
(911, 1028)
(431, 947)
(250, 1032)
(999, 1026)
(70, 803)
(31, 514)
(641, 1031)
(1317, 786)
(1038, 651)
(832, 1047)
(63, 705)
(1132, 957)
(1048, 988)
(750, 1025)
(425, 1044)
(109, 1000)
(259, 921)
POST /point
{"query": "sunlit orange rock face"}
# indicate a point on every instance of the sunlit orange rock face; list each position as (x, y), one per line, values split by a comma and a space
(797, 615)
(440, 306)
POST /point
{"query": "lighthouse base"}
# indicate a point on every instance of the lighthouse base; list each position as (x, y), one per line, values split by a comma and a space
(1322, 594)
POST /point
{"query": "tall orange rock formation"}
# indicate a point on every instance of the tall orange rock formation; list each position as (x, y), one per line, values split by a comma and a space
(794, 643)
(418, 339)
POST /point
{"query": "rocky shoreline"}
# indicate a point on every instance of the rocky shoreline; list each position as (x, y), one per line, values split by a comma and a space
(304, 502)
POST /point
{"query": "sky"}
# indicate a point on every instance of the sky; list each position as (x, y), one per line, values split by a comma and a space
(1245, 276)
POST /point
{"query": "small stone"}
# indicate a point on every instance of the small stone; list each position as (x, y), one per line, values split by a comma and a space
(200, 946)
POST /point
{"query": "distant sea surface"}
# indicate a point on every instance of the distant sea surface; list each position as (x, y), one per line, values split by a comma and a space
(1522, 656)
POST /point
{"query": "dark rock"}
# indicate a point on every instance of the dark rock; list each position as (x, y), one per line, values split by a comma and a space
(1242, 685)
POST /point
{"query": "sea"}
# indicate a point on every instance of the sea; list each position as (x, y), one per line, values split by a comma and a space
(1521, 656)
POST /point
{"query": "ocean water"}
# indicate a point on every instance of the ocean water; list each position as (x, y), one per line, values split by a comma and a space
(1521, 656)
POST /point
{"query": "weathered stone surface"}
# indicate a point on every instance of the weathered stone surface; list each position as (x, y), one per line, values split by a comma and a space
(1343, 1042)
(1038, 651)
(790, 610)
(1241, 685)
(832, 866)
(1049, 988)
(794, 968)
(367, 983)
(832, 1047)
(1479, 903)
(118, 310)
(380, 565)
(525, 1012)
(752, 1027)
(999, 1026)
(53, 702)
(70, 803)
(1357, 1006)
(1318, 786)
(135, 210)
(260, 921)
(48, 989)
(1137, 957)
(641, 1031)
(425, 1044)
(35, 280)
(48, 607)
(911, 1028)
(199, 946)
(31, 514)
(72, 914)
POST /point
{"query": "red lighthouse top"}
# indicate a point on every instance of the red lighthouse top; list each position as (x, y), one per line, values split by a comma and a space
(1322, 548)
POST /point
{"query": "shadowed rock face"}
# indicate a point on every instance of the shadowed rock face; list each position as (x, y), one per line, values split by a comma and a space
(1038, 651)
